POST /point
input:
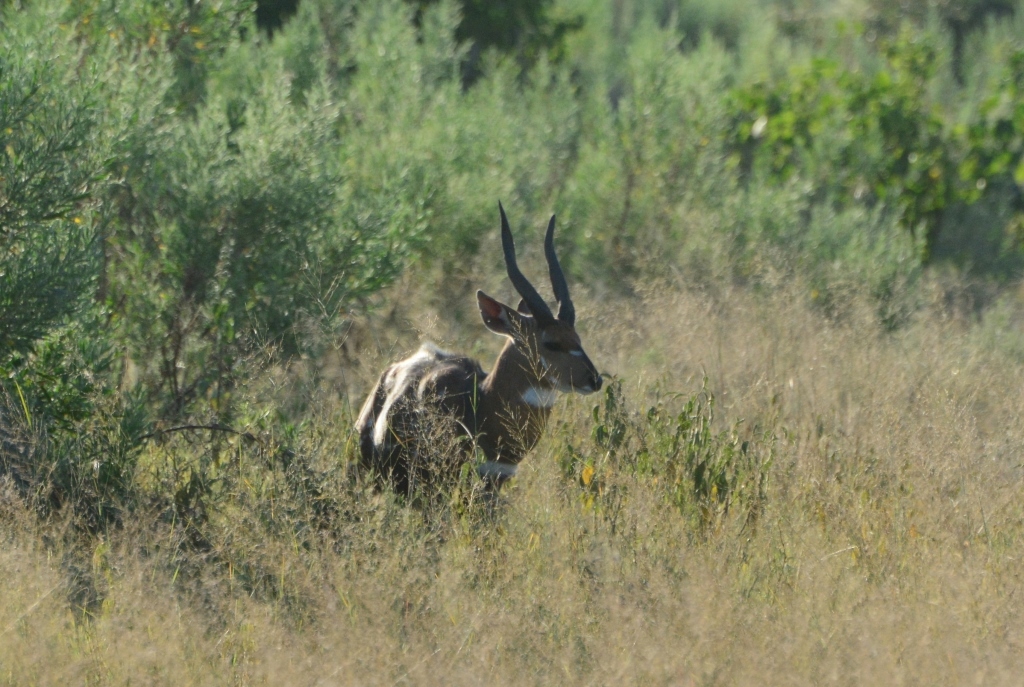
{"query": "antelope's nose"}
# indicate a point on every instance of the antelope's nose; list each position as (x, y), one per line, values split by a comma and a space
(596, 384)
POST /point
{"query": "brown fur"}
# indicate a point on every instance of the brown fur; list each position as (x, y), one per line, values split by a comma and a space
(423, 402)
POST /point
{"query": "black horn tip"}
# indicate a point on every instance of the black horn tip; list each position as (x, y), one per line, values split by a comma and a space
(566, 312)
(506, 230)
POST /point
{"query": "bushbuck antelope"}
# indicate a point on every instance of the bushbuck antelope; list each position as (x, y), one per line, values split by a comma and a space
(503, 412)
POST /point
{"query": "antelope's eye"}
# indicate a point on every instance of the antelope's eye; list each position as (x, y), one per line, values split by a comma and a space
(554, 347)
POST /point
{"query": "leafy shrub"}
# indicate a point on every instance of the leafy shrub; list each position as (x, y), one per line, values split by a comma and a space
(72, 436)
(651, 159)
(48, 259)
(700, 472)
(857, 137)
(233, 247)
(67, 434)
(996, 141)
(189, 35)
(231, 232)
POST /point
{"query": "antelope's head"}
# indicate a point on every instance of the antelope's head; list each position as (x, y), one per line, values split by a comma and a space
(549, 341)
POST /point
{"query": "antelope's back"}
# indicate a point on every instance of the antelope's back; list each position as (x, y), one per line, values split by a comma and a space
(431, 387)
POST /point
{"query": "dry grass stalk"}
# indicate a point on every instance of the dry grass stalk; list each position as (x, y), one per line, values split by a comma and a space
(887, 551)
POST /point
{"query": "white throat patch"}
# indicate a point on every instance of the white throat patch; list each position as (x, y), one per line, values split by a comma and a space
(540, 398)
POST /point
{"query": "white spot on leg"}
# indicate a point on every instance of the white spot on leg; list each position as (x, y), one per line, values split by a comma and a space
(492, 469)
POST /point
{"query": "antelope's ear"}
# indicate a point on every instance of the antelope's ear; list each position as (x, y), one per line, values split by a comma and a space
(523, 307)
(497, 316)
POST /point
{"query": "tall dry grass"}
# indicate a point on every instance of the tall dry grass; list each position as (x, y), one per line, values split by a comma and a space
(887, 551)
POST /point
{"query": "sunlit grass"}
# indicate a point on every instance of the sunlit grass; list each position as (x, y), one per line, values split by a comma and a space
(885, 546)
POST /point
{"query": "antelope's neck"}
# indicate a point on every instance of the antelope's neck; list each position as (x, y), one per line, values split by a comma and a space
(515, 402)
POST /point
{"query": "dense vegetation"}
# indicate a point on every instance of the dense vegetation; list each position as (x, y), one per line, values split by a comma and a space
(213, 232)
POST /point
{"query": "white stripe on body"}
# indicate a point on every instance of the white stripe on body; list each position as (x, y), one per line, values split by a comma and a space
(405, 372)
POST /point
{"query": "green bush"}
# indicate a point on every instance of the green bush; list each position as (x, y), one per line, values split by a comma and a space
(73, 435)
(67, 435)
(701, 472)
(48, 256)
(858, 137)
(997, 139)
(237, 228)
(188, 35)
(234, 225)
